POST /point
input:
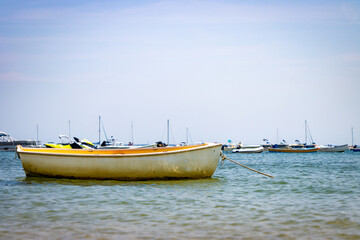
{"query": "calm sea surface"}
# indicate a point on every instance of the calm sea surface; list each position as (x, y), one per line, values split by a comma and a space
(313, 196)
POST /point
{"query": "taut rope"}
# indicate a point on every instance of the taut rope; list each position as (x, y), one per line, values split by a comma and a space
(223, 157)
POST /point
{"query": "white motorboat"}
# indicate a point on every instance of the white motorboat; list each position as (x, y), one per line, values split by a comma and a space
(249, 149)
(333, 148)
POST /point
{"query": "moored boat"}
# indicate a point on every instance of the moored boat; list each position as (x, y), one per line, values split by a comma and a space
(249, 150)
(7, 143)
(266, 144)
(68, 144)
(194, 161)
(333, 148)
(354, 148)
(294, 150)
(228, 148)
(298, 144)
(283, 144)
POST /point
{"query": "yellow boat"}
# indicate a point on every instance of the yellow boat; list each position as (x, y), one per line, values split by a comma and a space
(194, 161)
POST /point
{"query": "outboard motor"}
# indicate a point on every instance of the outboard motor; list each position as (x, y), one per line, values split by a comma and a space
(160, 144)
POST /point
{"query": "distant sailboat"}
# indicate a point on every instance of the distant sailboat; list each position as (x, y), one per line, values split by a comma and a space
(353, 148)
(299, 147)
(308, 135)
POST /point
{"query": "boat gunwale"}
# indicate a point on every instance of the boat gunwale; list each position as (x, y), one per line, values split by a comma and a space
(90, 152)
(334, 146)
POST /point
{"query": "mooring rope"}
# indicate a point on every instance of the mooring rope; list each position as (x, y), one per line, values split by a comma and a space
(223, 157)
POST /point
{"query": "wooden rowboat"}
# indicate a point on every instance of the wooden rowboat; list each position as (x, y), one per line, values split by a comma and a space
(195, 161)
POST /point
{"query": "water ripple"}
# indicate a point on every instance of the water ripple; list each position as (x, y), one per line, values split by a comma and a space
(311, 196)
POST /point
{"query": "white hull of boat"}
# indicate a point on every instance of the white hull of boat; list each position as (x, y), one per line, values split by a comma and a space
(249, 150)
(154, 163)
(228, 149)
(330, 148)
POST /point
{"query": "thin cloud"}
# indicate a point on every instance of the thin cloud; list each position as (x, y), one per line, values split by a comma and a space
(203, 12)
(351, 57)
(352, 11)
(192, 12)
(82, 77)
(16, 77)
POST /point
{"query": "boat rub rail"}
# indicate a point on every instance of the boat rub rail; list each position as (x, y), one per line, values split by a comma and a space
(114, 152)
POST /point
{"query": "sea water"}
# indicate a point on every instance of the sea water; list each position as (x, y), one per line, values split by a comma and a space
(313, 196)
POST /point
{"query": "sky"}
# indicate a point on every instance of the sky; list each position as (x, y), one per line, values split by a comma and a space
(224, 70)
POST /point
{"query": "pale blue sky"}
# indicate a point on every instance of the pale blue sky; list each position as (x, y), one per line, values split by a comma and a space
(225, 69)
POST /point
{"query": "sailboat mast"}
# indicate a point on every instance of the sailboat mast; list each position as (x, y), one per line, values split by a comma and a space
(305, 132)
(99, 130)
(37, 133)
(69, 130)
(168, 126)
(187, 136)
(132, 133)
(352, 136)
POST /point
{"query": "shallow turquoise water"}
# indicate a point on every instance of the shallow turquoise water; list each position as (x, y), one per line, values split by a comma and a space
(313, 196)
